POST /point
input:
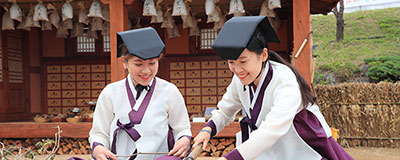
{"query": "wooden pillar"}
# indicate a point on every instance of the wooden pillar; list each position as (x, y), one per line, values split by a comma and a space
(301, 28)
(118, 23)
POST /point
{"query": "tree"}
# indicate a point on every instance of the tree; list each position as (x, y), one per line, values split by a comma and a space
(339, 21)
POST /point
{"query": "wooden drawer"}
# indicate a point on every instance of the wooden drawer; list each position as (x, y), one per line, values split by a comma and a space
(193, 83)
(208, 74)
(209, 99)
(222, 64)
(193, 108)
(83, 93)
(182, 90)
(108, 67)
(53, 102)
(83, 102)
(55, 85)
(193, 100)
(98, 76)
(53, 94)
(83, 68)
(209, 82)
(221, 90)
(83, 85)
(98, 85)
(98, 68)
(84, 109)
(69, 77)
(193, 74)
(83, 76)
(53, 110)
(208, 106)
(192, 65)
(69, 102)
(224, 81)
(96, 93)
(225, 73)
(68, 94)
(53, 77)
(208, 65)
(67, 109)
(53, 69)
(68, 69)
(209, 91)
(176, 66)
(219, 98)
(178, 83)
(177, 74)
(193, 91)
(108, 76)
(68, 85)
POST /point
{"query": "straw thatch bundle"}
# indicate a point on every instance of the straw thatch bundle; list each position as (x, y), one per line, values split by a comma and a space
(366, 114)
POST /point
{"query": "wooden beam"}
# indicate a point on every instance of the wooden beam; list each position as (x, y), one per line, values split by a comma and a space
(301, 28)
(118, 23)
(105, 1)
(228, 132)
(81, 129)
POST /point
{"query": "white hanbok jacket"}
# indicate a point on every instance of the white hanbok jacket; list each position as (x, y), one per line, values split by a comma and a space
(166, 108)
(276, 137)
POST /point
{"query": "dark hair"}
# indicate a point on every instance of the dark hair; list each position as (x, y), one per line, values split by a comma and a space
(257, 44)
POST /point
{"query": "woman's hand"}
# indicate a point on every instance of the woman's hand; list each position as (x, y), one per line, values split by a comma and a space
(101, 153)
(181, 148)
(203, 137)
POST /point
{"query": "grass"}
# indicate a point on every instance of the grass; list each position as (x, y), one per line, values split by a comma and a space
(344, 60)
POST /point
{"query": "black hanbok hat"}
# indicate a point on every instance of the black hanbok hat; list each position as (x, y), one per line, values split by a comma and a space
(236, 33)
(143, 43)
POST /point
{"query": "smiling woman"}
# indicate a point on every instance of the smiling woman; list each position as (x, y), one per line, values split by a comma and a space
(279, 105)
(142, 71)
(127, 111)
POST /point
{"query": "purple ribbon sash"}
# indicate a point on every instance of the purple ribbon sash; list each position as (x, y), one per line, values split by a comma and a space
(135, 117)
(246, 121)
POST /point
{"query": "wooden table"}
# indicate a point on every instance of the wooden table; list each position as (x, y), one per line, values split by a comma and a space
(80, 130)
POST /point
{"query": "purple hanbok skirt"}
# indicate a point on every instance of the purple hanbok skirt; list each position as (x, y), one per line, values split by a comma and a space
(311, 131)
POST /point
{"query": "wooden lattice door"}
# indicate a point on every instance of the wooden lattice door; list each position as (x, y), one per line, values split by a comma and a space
(13, 81)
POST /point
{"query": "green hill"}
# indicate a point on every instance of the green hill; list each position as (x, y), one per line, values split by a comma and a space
(367, 34)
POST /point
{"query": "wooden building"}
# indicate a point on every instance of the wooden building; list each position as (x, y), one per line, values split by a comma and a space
(40, 73)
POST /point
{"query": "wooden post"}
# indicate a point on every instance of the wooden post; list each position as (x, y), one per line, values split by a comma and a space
(301, 28)
(118, 23)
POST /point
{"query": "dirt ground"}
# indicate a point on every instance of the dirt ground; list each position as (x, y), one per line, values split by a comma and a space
(356, 153)
(374, 153)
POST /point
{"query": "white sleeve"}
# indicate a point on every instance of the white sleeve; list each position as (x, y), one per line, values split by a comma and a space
(102, 119)
(228, 106)
(178, 118)
(286, 102)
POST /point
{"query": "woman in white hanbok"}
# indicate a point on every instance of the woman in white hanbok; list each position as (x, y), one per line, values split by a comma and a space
(142, 113)
(282, 121)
